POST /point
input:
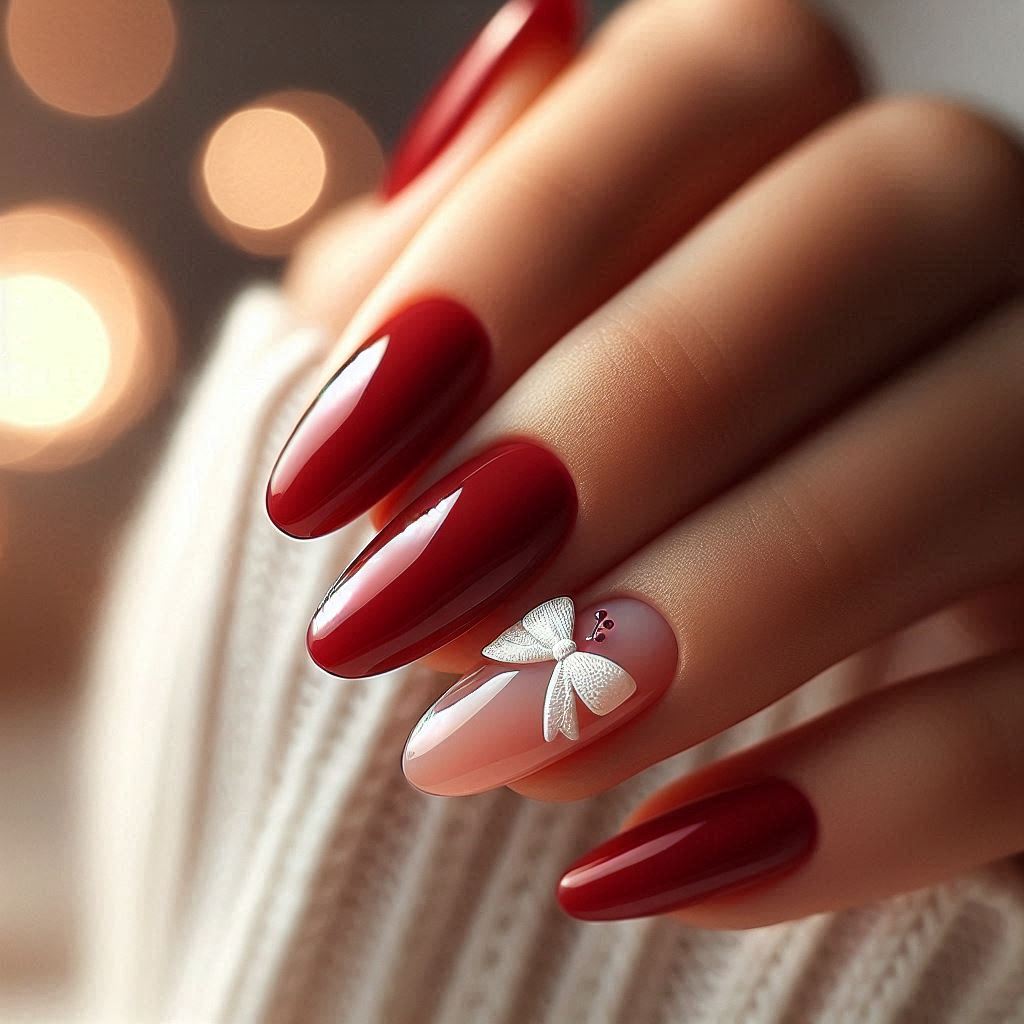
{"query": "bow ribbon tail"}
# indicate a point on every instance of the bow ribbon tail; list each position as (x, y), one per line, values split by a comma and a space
(560, 706)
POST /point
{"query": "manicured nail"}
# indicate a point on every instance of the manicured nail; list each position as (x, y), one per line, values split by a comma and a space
(441, 564)
(551, 684)
(518, 27)
(732, 840)
(377, 419)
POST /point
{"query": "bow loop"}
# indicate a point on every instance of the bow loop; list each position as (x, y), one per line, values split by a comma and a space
(546, 634)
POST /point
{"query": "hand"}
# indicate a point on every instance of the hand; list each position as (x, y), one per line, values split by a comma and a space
(734, 360)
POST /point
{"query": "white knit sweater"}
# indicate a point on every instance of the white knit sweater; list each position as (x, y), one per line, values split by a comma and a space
(254, 853)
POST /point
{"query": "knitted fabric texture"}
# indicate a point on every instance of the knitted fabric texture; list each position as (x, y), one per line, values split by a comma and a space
(253, 853)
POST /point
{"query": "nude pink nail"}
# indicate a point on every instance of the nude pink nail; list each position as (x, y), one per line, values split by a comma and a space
(549, 685)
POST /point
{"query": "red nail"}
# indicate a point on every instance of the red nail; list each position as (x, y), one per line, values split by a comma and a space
(445, 561)
(517, 27)
(381, 414)
(724, 842)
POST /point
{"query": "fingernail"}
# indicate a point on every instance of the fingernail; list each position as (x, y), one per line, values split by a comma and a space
(735, 839)
(446, 560)
(537, 699)
(380, 415)
(516, 28)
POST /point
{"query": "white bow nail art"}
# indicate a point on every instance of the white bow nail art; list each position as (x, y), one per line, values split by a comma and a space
(546, 634)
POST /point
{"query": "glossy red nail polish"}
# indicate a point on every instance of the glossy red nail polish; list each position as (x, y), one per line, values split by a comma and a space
(445, 561)
(724, 842)
(380, 415)
(515, 29)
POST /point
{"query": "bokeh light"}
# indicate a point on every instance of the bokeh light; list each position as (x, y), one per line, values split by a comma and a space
(86, 338)
(264, 168)
(4, 520)
(92, 57)
(54, 352)
(267, 171)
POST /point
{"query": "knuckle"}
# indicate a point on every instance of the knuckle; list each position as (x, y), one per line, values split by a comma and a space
(941, 152)
(666, 359)
(807, 534)
(975, 726)
(553, 192)
(761, 40)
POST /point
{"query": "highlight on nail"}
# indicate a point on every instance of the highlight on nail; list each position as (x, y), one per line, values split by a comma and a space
(517, 27)
(391, 405)
(506, 513)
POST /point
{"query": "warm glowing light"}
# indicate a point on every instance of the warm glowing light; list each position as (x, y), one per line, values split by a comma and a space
(54, 351)
(92, 57)
(264, 168)
(4, 528)
(269, 169)
(86, 340)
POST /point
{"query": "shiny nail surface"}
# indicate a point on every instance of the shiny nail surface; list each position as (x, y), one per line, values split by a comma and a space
(514, 29)
(733, 839)
(379, 417)
(535, 700)
(444, 561)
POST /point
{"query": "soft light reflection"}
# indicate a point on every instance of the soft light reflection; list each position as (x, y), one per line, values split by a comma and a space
(268, 170)
(86, 339)
(92, 57)
(440, 723)
(54, 351)
(383, 566)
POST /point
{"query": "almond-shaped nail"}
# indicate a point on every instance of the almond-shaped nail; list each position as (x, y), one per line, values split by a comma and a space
(445, 561)
(728, 841)
(379, 417)
(549, 685)
(515, 29)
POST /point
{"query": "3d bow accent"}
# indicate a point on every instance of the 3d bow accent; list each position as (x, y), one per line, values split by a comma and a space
(545, 634)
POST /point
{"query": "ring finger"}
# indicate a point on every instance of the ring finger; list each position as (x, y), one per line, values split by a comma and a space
(778, 308)
(899, 507)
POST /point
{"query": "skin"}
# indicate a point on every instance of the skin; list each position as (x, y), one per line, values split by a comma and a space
(823, 459)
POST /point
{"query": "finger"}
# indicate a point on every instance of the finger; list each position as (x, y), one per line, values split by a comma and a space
(902, 507)
(905, 788)
(910, 501)
(555, 219)
(778, 309)
(541, 34)
(511, 62)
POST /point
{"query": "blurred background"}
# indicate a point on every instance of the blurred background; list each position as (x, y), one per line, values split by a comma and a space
(156, 155)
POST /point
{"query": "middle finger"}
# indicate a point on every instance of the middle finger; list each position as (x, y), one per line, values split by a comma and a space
(786, 302)
(541, 232)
